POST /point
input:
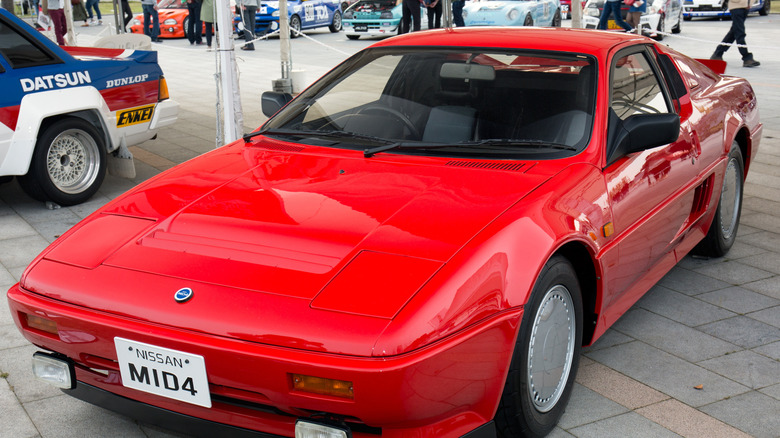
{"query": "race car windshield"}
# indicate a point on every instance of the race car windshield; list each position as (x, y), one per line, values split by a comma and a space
(453, 102)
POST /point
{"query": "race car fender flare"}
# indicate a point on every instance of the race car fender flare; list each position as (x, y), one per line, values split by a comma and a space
(35, 108)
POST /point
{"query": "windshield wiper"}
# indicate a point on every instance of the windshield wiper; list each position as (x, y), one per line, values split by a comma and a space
(537, 144)
(368, 153)
(326, 134)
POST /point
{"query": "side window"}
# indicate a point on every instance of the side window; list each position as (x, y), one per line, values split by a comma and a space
(636, 88)
(20, 51)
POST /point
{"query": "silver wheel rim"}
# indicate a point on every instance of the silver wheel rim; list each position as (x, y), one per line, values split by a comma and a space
(551, 348)
(729, 200)
(72, 161)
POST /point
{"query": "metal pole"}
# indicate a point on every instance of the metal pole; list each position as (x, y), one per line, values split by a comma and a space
(284, 40)
(446, 13)
(232, 114)
(576, 14)
(119, 17)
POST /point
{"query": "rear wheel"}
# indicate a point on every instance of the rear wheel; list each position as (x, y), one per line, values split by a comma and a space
(68, 164)
(556, 21)
(661, 28)
(186, 25)
(295, 26)
(723, 230)
(678, 27)
(766, 8)
(546, 355)
(529, 20)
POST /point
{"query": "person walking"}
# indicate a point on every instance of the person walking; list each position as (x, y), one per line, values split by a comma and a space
(150, 14)
(55, 10)
(434, 12)
(207, 15)
(635, 12)
(411, 15)
(613, 7)
(94, 5)
(739, 12)
(194, 25)
(457, 12)
(248, 11)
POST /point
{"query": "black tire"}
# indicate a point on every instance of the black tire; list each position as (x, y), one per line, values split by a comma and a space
(765, 10)
(335, 24)
(557, 295)
(687, 18)
(353, 37)
(678, 27)
(295, 25)
(186, 25)
(725, 224)
(529, 20)
(659, 36)
(68, 164)
(556, 21)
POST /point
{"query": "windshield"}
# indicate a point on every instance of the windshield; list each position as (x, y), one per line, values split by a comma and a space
(449, 102)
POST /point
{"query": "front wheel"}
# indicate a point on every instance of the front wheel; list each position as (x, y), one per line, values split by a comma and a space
(529, 20)
(335, 25)
(723, 230)
(556, 21)
(765, 10)
(546, 355)
(186, 26)
(68, 164)
(295, 26)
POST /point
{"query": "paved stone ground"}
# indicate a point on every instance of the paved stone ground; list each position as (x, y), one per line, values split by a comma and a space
(714, 323)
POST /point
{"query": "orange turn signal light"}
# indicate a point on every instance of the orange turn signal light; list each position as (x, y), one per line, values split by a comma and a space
(319, 385)
(42, 324)
(162, 92)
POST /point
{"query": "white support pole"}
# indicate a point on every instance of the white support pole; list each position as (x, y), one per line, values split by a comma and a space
(228, 93)
(285, 51)
(575, 9)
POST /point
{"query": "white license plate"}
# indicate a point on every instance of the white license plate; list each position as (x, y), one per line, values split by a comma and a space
(263, 10)
(162, 371)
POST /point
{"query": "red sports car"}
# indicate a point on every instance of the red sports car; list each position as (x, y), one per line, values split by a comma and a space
(422, 255)
(174, 19)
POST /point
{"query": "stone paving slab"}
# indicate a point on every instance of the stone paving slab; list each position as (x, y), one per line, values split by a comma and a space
(709, 322)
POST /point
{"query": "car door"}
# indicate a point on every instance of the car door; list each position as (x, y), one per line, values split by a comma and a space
(651, 192)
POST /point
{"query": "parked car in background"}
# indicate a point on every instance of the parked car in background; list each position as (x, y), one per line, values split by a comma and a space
(303, 14)
(417, 245)
(65, 112)
(719, 8)
(372, 18)
(174, 20)
(566, 8)
(662, 16)
(512, 13)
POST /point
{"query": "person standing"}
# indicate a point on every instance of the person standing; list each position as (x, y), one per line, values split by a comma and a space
(739, 12)
(55, 10)
(457, 12)
(150, 14)
(94, 5)
(635, 12)
(411, 15)
(194, 26)
(613, 7)
(127, 13)
(434, 13)
(207, 15)
(248, 11)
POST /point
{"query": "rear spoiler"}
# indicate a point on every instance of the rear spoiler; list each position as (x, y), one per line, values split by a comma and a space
(716, 65)
(145, 56)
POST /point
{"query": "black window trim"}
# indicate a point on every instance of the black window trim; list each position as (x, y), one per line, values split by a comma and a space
(24, 33)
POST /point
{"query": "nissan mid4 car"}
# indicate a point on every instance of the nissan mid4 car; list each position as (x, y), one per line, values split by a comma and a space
(417, 245)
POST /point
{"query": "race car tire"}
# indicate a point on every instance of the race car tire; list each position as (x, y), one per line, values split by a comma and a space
(529, 20)
(68, 164)
(353, 37)
(186, 26)
(659, 36)
(765, 10)
(723, 230)
(687, 18)
(556, 21)
(678, 28)
(548, 344)
(335, 24)
(295, 26)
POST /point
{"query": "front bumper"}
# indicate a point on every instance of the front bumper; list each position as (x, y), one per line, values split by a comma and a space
(447, 389)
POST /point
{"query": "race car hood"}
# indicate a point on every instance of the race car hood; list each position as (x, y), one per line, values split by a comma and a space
(301, 249)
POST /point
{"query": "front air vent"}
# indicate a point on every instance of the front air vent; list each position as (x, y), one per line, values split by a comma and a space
(491, 165)
(281, 147)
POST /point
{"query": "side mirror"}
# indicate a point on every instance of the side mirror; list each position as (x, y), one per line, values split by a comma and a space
(641, 132)
(273, 101)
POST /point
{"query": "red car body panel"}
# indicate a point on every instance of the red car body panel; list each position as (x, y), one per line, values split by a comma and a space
(405, 275)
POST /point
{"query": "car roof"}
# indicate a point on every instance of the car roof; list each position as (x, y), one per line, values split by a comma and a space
(584, 41)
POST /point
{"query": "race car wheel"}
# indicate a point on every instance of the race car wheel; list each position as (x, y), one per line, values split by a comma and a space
(659, 36)
(186, 25)
(529, 20)
(335, 25)
(723, 230)
(68, 164)
(353, 37)
(295, 26)
(767, 6)
(678, 27)
(546, 355)
(556, 21)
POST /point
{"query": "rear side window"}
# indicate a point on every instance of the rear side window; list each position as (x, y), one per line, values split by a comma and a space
(21, 51)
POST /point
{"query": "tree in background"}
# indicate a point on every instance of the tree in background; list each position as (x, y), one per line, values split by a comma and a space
(9, 5)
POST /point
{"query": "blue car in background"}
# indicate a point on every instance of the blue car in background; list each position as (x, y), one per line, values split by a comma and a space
(719, 8)
(512, 13)
(303, 14)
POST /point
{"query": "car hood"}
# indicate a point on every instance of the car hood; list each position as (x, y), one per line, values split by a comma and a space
(299, 249)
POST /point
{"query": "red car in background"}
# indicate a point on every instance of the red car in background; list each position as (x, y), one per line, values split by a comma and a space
(174, 20)
(420, 256)
(566, 8)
